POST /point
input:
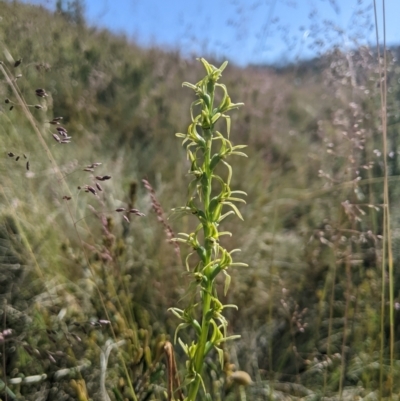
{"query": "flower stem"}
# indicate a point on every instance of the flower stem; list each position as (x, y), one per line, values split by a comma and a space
(213, 258)
(199, 359)
(207, 289)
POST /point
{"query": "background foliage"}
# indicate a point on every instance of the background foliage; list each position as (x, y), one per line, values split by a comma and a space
(312, 300)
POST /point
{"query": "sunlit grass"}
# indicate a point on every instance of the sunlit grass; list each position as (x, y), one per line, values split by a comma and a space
(317, 307)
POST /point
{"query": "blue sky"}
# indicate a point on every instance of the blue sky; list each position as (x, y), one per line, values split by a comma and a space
(244, 31)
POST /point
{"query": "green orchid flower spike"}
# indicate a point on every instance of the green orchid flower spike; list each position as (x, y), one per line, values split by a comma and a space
(209, 195)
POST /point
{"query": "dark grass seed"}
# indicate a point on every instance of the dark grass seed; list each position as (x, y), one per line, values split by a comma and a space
(41, 92)
(91, 189)
(103, 178)
(136, 212)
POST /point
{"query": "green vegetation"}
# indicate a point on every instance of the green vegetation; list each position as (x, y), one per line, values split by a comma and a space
(213, 258)
(87, 281)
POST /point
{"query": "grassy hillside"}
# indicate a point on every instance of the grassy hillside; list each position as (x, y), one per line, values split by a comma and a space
(314, 309)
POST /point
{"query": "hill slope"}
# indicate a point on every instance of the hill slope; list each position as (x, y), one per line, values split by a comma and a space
(311, 235)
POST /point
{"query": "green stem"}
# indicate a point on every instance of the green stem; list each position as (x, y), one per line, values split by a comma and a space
(199, 359)
(207, 289)
(207, 172)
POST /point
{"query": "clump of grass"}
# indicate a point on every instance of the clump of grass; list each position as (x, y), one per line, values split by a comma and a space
(69, 330)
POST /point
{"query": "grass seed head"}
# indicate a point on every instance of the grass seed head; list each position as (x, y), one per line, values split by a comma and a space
(136, 212)
(41, 92)
(91, 189)
(61, 129)
(93, 165)
(103, 178)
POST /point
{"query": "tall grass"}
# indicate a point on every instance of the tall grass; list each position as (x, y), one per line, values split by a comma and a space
(387, 258)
